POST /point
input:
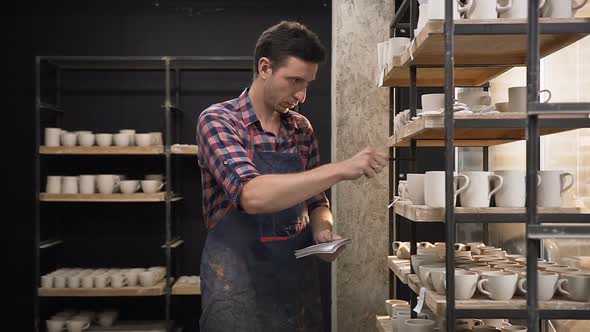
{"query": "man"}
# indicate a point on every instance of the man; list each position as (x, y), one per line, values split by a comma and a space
(260, 176)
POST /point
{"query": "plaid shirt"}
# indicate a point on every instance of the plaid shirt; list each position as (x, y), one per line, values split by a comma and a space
(224, 133)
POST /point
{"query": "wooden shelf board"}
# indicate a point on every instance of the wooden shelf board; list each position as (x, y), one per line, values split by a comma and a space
(384, 324)
(186, 289)
(137, 197)
(130, 326)
(100, 150)
(155, 290)
(437, 302)
(184, 149)
(508, 50)
(423, 213)
(400, 267)
(431, 127)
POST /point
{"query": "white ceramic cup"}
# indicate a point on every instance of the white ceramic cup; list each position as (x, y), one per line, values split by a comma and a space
(389, 305)
(547, 285)
(515, 8)
(69, 184)
(481, 9)
(87, 184)
(151, 186)
(498, 285)
(436, 10)
(434, 188)
(503, 107)
(562, 8)
(88, 281)
(118, 280)
(143, 139)
(69, 139)
(132, 278)
(147, 278)
(129, 186)
(517, 96)
(77, 325)
(513, 192)
(107, 183)
(156, 138)
(53, 185)
(47, 281)
(486, 328)
(74, 281)
(415, 189)
(52, 136)
(122, 139)
(402, 189)
(553, 184)
(104, 139)
(419, 325)
(513, 328)
(433, 101)
(157, 177)
(396, 46)
(86, 139)
(56, 324)
(575, 285)
(479, 190)
(131, 133)
(465, 283)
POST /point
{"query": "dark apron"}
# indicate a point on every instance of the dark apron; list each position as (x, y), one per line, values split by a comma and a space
(250, 279)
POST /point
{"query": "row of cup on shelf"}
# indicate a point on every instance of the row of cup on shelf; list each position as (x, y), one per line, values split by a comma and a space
(499, 275)
(426, 321)
(476, 188)
(125, 137)
(78, 320)
(190, 280)
(102, 184)
(103, 277)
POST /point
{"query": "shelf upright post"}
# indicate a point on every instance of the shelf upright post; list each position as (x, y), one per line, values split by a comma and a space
(37, 190)
(391, 178)
(532, 162)
(486, 167)
(168, 179)
(413, 106)
(449, 164)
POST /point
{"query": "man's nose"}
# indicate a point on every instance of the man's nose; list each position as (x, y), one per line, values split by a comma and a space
(300, 95)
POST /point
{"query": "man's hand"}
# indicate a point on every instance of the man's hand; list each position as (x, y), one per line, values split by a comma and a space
(369, 162)
(327, 235)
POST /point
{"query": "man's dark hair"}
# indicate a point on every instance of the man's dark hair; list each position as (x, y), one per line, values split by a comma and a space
(288, 39)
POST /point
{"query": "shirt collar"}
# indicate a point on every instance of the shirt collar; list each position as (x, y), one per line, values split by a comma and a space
(249, 116)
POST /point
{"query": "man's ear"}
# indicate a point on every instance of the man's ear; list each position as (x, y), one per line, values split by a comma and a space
(264, 68)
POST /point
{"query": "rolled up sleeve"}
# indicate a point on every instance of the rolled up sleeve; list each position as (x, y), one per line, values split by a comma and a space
(222, 152)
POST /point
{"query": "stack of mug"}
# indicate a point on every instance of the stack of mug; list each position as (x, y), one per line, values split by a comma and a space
(103, 184)
(389, 49)
(517, 100)
(125, 137)
(476, 188)
(517, 9)
(75, 321)
(103, 277)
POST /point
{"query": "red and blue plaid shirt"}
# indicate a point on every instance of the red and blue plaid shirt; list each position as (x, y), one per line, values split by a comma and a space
(224, 134)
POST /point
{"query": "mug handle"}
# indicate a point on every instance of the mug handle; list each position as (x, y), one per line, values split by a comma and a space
(549, 92)
(501, 9)
(521, 285)
(495, 190)
(563, 176)
(541, 4)
(477, 322)
(125, 281)
(576, 6)
(161, 186)
(85, 327)
(462, 189)
(138, 187)
(406, 193)
(538, 180)
(560, 287)
(481, 289)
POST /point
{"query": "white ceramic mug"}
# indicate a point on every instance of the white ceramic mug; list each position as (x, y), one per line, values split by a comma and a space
(547, 285)
(481, 9)
(87, 184)
(396, 46)
(156, 138)
(415, 189)
(122, 139)
(131, 133)
(419, 325)
(143, 139)
(53, 185)
(515, 8)
(433, 101)
(132, 278)
(512, 328)
(498, 285)
(147, 278)
(434, 188)
(118, 280)
(517, 97)
(562, 8)
(513, 192)
(479, 190)
(436, 10)
(129, 186)
(465, 284)
(56, 324)
(74, 281)
(88, 281)
(402, 189)
(151, 186)
(69, 139)
(52, 136)
(107, 183)
(553, 184)
(86, 139)
(575, 285)
(69, 184)
(104, 139)
(77, 325)
(503, 107)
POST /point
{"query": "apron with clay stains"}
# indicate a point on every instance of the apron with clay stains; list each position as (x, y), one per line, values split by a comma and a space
(250, 279)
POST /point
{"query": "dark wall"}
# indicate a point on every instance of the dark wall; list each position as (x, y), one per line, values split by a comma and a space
(114, 235)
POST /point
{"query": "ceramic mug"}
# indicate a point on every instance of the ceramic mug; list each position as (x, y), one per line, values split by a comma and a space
(434, 188)
(515, 8)
(562, 8)
(479, 189)
(553, 184)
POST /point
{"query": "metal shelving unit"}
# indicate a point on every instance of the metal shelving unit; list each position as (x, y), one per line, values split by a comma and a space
(172, 113)
(449, 135)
